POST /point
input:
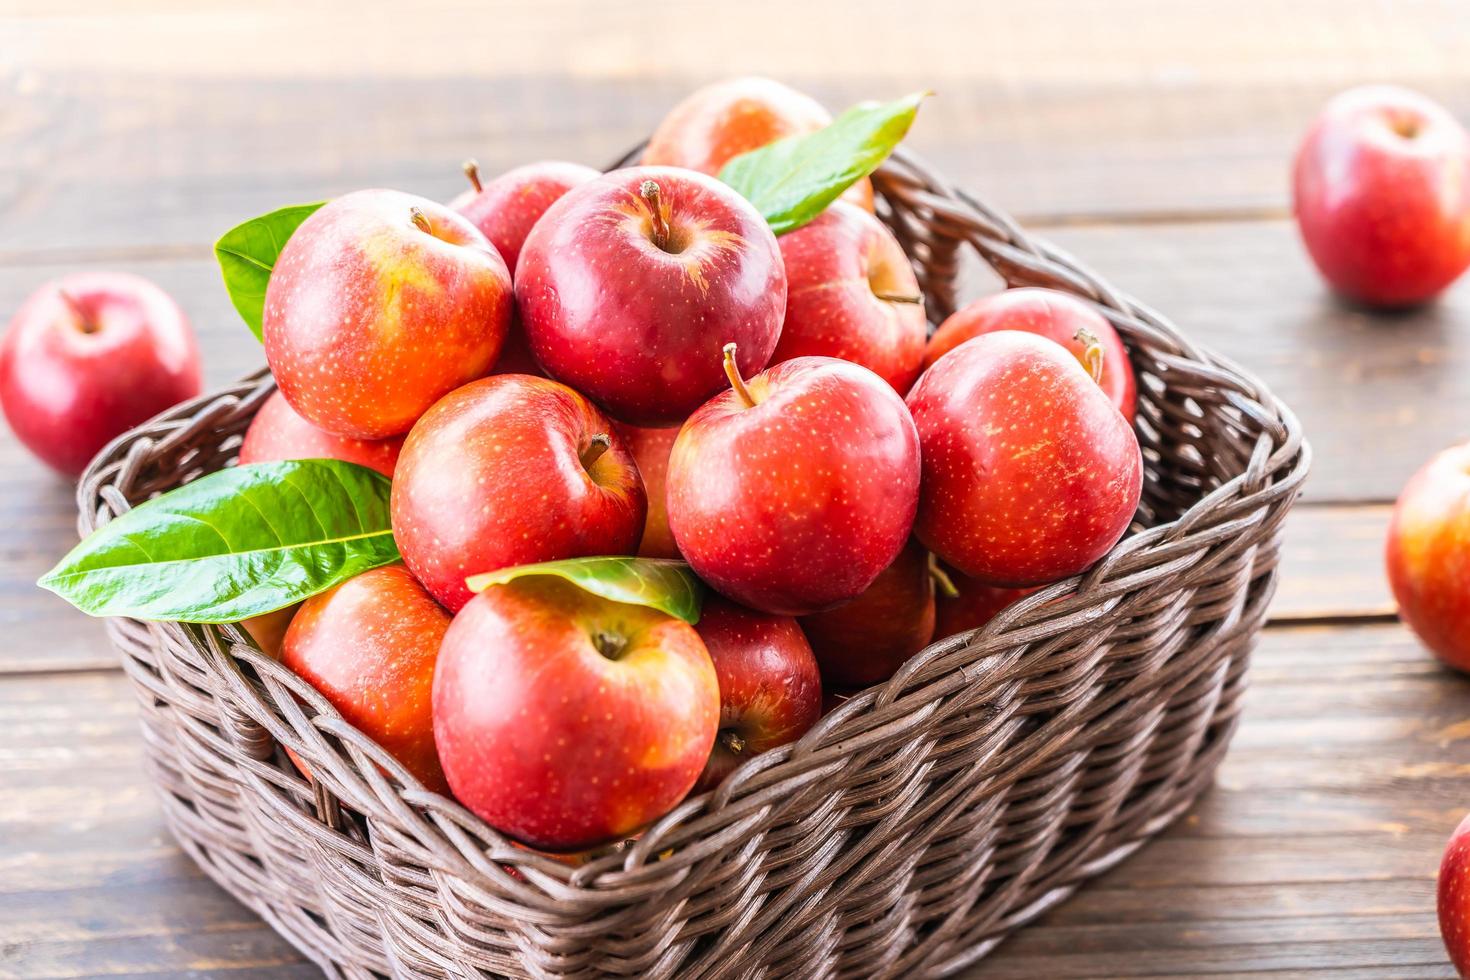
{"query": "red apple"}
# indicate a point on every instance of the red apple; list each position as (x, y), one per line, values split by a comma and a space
(972, 605)
(369, 646)
(650, 448)
(770, 688)
(1030, 472)
(851, 293)
(791, 492)
(1454, 898)
(88, 357)
(505, 209)
(1047, 313)
(268, 630)
(867, 639)
(277, 433)
(567, 720)
(1382, 195)
(1428, 555)
(511, 470)
(632, 283)
(718, 122)
(380, 304)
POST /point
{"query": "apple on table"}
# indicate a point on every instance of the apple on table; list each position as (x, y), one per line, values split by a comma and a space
(1381, 193)
(90, 356)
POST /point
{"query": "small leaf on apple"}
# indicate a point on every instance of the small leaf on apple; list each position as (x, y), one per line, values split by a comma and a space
(238, 543)
(659, 583)
(247, 253)
(792, 180)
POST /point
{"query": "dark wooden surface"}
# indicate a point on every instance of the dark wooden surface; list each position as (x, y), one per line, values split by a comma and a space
(1150, 139)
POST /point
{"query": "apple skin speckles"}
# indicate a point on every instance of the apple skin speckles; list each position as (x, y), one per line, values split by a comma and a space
(797, 503)
(370, 645)
(839, 269)
(492, 476)
(555, 743)
(1030, 473)
(1047, 313)
(369, 319)
(638, 327)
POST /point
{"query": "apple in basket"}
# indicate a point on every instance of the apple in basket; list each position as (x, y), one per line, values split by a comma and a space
(1031, 473)
(630, 285)
(568, 720)
(770, 685)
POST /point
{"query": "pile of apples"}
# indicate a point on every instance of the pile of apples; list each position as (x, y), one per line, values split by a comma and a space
(564, 364)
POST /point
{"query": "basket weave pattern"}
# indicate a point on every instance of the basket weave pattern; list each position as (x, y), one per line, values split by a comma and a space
(905, 836)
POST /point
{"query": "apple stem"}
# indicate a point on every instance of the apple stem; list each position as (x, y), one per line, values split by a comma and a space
(661, 230)
(472, 171)
(596, 446)
(610, 645)
(732, 371)
(941, 578)
(84, 322)
(732, 741)
(421, 221)
(1092, 356)
(901, 298)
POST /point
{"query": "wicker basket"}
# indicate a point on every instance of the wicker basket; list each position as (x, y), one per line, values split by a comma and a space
(905, 835)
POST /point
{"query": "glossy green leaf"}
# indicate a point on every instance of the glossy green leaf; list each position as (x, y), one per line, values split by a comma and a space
(247, 253)
(792, 180)
(234, 544)
(668, 586)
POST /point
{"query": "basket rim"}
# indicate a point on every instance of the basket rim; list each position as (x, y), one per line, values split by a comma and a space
(1273, 476)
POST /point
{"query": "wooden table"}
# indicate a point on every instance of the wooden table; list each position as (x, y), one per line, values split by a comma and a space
(1150, 140)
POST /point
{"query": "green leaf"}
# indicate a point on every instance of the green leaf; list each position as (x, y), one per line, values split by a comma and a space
(247, 253)
(668, 586)
(792, 180)
(234, 544)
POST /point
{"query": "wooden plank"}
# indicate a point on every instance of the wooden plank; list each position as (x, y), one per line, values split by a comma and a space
(90, 882)
(1317, 848)
(186, 158)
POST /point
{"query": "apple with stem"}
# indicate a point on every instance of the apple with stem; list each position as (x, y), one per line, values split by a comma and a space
(88, 357)
(963, 603)
(630, 285)
(1381, 193)
(567, 720)
(380, 304)
(791, 492)
(511, 470)
(506, 208)
(851, 293)
(1048, 313)
(770, 685)
(1031, 474)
